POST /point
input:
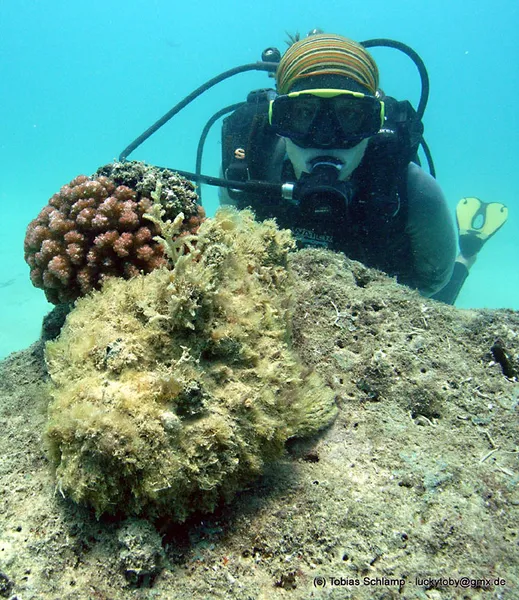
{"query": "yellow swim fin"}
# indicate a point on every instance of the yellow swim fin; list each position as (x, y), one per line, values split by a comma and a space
(477, 222)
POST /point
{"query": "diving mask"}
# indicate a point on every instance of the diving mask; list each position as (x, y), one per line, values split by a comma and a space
(326, 118)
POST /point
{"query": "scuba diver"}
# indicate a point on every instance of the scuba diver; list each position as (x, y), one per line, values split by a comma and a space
(352, 150)
(335, 160)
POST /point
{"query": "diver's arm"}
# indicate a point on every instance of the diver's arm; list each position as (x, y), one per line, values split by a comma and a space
(431, 231)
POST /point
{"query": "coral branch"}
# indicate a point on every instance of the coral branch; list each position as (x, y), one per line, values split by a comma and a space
(109, 225)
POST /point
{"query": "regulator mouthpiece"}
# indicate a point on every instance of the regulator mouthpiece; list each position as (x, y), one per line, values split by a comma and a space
(320, 193)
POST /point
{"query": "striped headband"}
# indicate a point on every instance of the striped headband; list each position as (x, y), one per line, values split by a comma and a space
(327, 54)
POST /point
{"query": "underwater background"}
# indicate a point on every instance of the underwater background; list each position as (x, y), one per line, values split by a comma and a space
(79, 81)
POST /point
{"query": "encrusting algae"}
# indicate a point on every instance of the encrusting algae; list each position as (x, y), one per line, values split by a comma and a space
(172, 390)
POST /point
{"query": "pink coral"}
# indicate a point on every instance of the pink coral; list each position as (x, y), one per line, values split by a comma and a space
(92, 229)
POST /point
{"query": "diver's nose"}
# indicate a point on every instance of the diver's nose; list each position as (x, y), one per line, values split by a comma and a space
(325, 130)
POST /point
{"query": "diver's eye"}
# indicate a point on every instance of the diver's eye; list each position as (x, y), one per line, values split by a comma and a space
(351, 114)
(303, 110)
(303, 113)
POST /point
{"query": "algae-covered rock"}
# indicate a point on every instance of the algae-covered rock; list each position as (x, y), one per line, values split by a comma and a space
(173, 389)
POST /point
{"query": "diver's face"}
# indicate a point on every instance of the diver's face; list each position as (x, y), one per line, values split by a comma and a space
(301, 158)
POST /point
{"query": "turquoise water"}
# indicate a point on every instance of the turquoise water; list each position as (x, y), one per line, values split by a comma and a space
(80, 80)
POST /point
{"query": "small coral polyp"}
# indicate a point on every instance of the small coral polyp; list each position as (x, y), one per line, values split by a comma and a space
(172, 390)
(94, 228)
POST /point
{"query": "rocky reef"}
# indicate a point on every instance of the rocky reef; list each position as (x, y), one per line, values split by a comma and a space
(412, 492)
(171, 391)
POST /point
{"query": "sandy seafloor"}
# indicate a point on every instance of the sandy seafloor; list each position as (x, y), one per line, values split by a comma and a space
(412, 489)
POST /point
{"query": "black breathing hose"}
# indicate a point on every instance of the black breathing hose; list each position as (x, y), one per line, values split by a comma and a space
(258, 187)
(203, 136)
(259, 66)
(420, 65)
